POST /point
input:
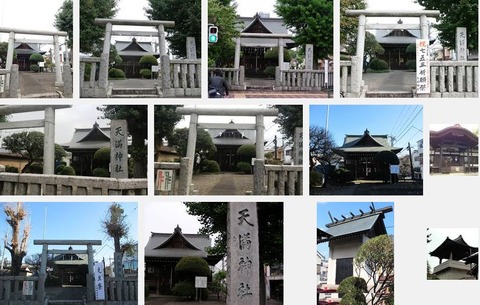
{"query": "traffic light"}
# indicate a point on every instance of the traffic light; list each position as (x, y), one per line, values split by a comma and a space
(212, 34)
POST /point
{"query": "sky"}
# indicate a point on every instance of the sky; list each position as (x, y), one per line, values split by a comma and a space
(438, 236)
(248, 8)
(72, 220)
(163, 217)
(84, 117)
(437, 127)
(404, 122)
(271, 129)
(344, 208)
(29, 15)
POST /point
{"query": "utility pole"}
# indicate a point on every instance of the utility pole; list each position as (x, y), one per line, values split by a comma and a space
(275, 142)
(411, 163)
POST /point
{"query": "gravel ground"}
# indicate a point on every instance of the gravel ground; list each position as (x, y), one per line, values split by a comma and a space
(206, 184)
(36, 83)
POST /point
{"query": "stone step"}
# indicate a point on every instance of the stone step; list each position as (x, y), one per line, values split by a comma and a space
(134, 96)
(134, 91)
(388, 94)
(65, 302)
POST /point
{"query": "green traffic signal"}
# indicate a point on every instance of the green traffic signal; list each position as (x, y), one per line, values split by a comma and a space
(212, 34)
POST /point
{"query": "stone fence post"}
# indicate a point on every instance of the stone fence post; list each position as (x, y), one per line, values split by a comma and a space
(13, 85)
(68, 81)
(259, 177)
(184, 181)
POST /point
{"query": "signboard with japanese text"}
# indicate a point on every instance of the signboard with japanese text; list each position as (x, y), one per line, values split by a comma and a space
(2, 83)
(164, 180)
(118, 149)
(27, 288)
(298, 146)
(423, 66)
(461, 44)
(99, 275)
(200, 282)
(309, 57)
(242, 254)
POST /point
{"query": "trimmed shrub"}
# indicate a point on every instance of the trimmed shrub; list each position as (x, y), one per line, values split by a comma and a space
(68, 171)
(246, 152)
(342, 175)
(378, 64)
(11, 169)
(35, 168)
(146, 73)
(244, 167)
(316, 178)
(148, 60)
(184, 290)
(411, 65)
(273, 161)
(269, 71)
(190, 266)
(101, 157)
(269, 155)
(352, 291)
(209, 166)
(36, 57)
(101, 172)
(59, 169)
(115, 73)
(34, 68)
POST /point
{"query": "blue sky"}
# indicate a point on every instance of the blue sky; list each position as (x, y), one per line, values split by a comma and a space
(344, 208)
(404, 122)
(72, 220)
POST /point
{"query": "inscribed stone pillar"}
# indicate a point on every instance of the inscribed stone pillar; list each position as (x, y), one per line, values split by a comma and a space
(105, 58)
(461, 44)
(118, 149)
(242, 254)
(309, 57)
(191, 54)
(237, 53)
(260, 137)
(298, 146)
(49, 142)
(58, 64)
(8, 64)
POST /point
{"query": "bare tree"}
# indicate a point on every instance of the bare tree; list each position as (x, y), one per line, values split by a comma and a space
(115, 225)
(17, 245)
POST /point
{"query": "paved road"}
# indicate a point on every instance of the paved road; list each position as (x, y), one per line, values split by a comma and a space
(36, 83)
(167, 300)
(395, 80)
(134, 83)
(222, 184)
(370, 188)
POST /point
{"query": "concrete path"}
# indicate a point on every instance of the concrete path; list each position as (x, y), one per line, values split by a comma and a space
(169, 300)
(31, 83)
(395, 80)
(225, 183)
(134, 83)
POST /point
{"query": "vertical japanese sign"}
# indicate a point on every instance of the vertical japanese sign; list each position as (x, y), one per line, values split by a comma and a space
(461, 44)
(99, 281)
(118, 149)
(298, 146)
(244, 282)
(423, 66)
(164, 180)
(309, 57)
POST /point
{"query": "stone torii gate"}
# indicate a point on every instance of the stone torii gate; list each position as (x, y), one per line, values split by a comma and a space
(48, 123)
(56, 46)
(357, 60)
(259, 127)
(280, 44)
(45, 251)
(104, 57)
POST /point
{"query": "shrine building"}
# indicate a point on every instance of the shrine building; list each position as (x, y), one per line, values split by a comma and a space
(164, 250)
(359, 151)
(457, 260)
(453, 150)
